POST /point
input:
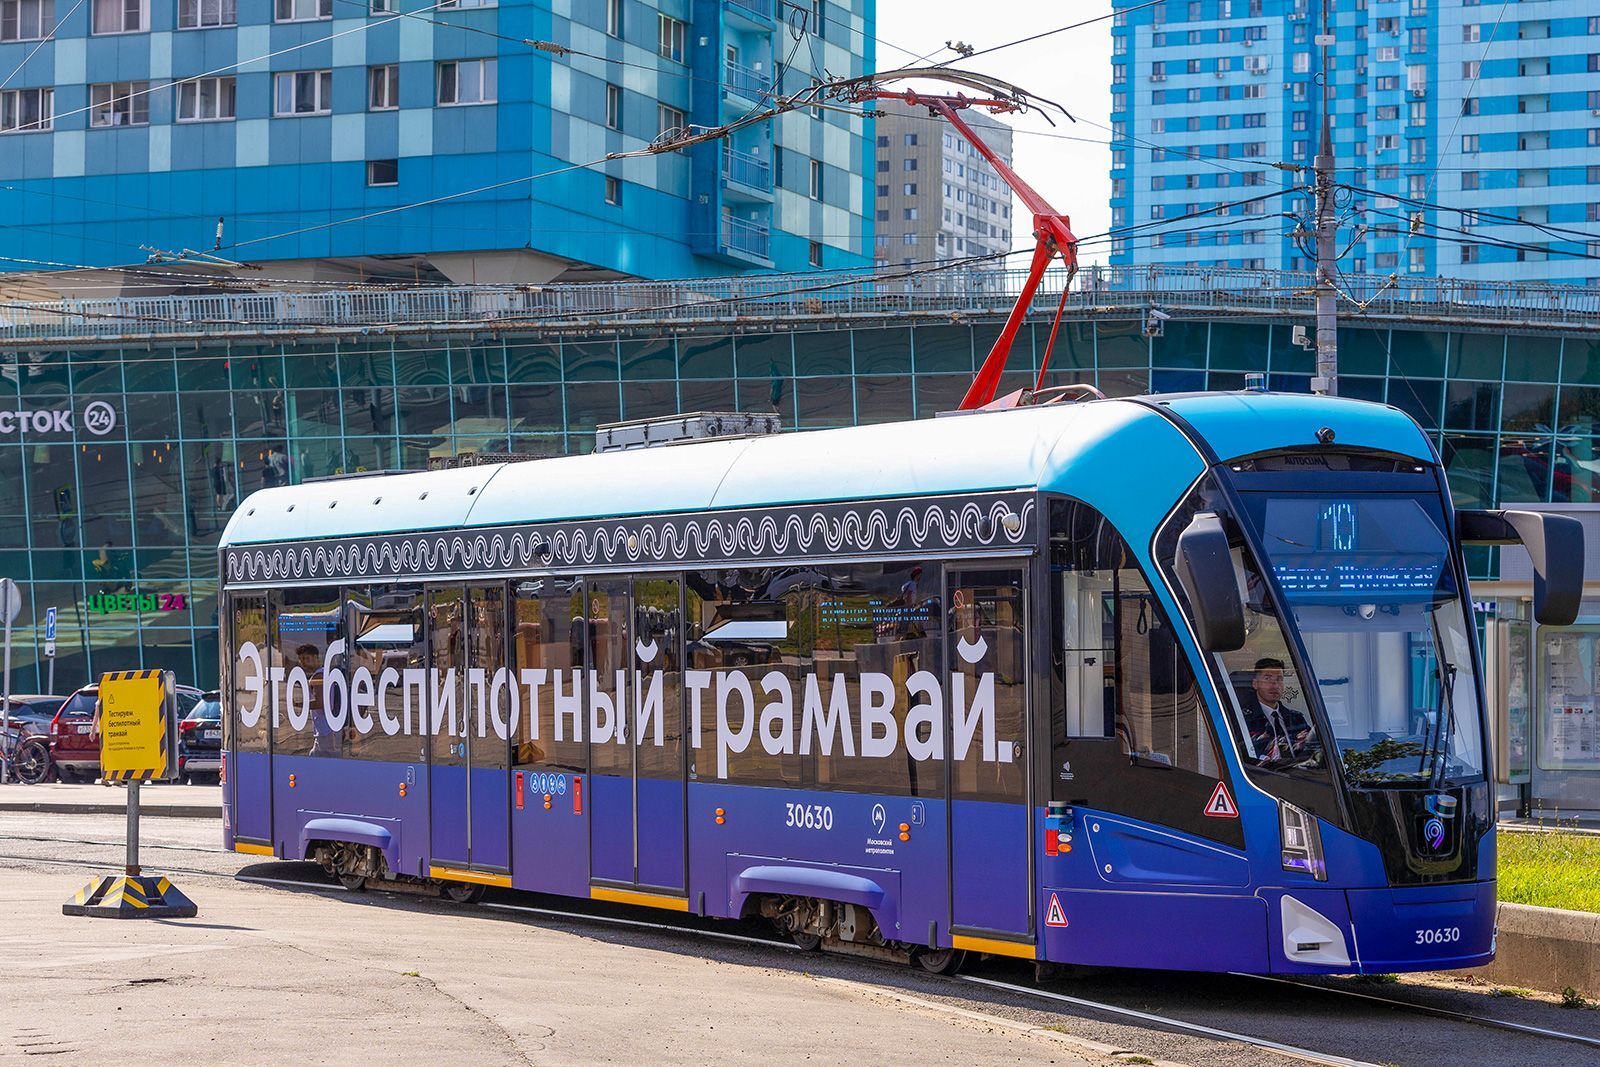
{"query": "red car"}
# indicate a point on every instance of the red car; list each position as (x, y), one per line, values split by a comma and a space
(74, 751)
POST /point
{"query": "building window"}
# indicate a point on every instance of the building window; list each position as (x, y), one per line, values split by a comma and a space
(908, 164)
(304, 92)
(200, 14)
(613, 191)
(911, 140)
(206, 100)
(383, 87)
(673, 32)
(26, 110)
(614, 107)
(1469, 143)
(383, 172)
(669, 119)
(814, 185)
(815, 256)
(26, 20)
(614, 17)
(302, 10)
(383, 7)
(119, 104)
(121, 16)
(910, 188)
(468, 81)
(1469, 105)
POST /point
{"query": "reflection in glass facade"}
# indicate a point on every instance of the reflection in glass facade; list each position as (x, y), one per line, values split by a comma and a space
(121, 465)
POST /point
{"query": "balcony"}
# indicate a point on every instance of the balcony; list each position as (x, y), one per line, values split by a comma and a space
(753, 14)
(746, 81)
(747, 172)
(746, 238)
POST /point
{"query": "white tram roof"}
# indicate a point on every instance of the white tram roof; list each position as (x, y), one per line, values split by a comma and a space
(1012, 449)
(969, 453)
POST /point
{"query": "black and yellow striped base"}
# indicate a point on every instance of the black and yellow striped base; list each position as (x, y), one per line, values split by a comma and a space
(131, 897)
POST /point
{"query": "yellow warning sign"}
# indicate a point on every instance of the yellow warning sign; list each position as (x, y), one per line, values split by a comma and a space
(132, 723)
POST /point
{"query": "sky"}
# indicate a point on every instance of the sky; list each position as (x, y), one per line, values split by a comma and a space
(1072, 68)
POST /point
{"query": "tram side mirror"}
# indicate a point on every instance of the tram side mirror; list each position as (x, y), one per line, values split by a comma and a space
(1554, 543)
(1205, 569)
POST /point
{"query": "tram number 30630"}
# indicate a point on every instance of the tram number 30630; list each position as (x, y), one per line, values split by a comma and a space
(809, 816)
(1440, 936)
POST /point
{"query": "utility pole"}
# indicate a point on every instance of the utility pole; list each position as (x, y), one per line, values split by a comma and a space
(1327, 376)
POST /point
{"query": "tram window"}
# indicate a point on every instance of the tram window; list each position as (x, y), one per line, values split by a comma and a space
(385, 626)
(1139, 687)
(658, 627)
(251, 699)
(1268, 710)
(447, 669)
(488, 704)
(882, 621)
(547, 637)
(817, 633)
(739, 634)
(305, 622)
(987, 618)
(608, 657)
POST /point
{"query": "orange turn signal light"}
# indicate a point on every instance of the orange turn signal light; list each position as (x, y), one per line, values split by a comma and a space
(547, 802)
(291, 781)
(402, 789)
(721, 816)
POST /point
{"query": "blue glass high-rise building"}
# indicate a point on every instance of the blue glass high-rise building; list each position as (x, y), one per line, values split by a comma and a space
(341, 139)
(1488, 109)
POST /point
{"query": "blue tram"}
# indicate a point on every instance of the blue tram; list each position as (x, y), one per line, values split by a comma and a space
(1177, 682)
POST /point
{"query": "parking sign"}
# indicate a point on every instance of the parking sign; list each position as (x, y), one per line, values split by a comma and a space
(50, 631)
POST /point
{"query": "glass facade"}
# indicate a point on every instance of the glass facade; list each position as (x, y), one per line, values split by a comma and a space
(122, 465)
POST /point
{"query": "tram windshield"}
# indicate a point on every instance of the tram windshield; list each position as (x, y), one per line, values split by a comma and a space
(1370, 584)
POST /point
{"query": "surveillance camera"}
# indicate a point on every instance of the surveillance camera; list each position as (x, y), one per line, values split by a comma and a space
(1157, 315)
(1368, 611)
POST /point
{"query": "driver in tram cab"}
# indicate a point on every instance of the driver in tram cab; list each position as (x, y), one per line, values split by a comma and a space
(1279, 733)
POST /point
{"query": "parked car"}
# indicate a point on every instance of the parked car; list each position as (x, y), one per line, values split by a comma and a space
(31, 712)
(200, 738)
(76, 754)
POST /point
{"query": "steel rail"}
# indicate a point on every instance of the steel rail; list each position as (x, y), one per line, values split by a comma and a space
(1429, 1009)
(1152, 1018)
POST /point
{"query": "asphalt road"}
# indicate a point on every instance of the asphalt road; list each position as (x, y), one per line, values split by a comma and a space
(40, 864)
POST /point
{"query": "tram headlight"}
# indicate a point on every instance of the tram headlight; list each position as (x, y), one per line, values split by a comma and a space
(1301, 841)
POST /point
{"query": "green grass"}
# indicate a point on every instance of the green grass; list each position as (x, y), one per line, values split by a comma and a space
(1550, 870)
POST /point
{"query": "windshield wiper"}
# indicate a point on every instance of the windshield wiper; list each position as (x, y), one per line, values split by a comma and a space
(1436, 753)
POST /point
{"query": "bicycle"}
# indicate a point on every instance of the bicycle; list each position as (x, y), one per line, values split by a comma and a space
(27, 757)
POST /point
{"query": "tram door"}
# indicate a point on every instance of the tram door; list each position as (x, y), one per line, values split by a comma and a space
(447, 751)
(469, 790)
(990, 860)
(636, 751)
(487, 730)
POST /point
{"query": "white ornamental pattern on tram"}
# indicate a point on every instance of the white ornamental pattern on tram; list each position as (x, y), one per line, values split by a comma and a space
(876, 529)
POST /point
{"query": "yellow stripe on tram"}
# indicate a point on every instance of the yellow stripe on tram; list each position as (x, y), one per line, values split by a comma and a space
(455, 874)
(252, 850)
(993, 947)
(643, 900)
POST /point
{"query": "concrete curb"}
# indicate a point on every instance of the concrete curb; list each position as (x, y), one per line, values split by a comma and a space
(1547, 949)
(175, 811)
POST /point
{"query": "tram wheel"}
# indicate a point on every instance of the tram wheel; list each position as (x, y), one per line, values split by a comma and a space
(463, 892)
(806, 942)
(353, 882)
(941, 960)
